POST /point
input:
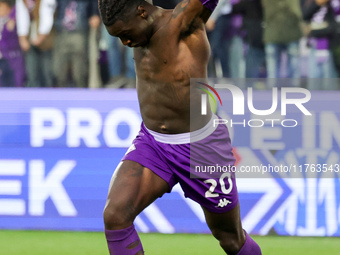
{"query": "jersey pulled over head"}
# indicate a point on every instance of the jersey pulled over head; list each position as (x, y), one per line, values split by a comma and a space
(210, 4)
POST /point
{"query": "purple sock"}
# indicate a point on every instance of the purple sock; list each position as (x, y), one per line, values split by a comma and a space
(121, 241)
(249, 247)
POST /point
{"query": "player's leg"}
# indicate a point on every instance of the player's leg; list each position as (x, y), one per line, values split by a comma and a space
(227, 229)
(132, 188)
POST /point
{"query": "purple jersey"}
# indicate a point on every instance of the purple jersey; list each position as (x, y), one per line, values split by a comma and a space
(184, 159)
(210, 4)
(319, 18)
(10, 52)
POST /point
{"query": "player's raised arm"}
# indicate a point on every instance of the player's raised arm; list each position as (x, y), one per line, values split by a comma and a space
(188, 10)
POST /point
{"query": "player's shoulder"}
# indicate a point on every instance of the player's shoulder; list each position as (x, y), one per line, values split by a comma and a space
(167, 26)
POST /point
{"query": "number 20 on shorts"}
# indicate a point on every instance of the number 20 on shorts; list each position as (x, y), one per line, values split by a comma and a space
(213, 182)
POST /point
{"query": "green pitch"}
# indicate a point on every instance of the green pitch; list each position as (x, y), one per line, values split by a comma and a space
(85, 243)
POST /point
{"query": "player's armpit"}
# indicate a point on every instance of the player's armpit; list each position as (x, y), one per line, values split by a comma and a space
(188, 10)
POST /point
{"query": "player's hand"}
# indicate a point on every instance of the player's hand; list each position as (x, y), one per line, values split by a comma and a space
(94, 21)
(24, 43)
(210, 25)
(321, 2)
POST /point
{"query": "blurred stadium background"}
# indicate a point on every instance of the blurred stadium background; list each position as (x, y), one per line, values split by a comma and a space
(59, 146)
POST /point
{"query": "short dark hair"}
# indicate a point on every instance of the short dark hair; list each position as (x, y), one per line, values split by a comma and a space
(113, 10)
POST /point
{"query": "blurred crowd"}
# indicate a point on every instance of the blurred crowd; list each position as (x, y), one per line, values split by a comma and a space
(62, 43)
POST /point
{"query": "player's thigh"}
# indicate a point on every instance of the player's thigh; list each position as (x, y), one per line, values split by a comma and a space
(133, 187)
(225, 225)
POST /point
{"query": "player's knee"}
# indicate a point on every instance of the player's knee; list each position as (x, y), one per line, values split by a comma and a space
(231, 246)
(116, 217)
(230, 242)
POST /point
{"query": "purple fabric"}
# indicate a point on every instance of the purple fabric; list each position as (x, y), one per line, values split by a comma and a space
(319, 43)
(319, 17)
(250, 247)
(236, 26)
(9, 42)
(18, 66)
(119, 240)
(210, 4)
(236, 23)
(176, 163)
(322, 44)
(11, 51)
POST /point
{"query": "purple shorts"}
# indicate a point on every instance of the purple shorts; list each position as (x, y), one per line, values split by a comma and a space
(186, 158)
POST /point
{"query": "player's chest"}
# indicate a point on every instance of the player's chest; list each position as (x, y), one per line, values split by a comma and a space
(153, 62)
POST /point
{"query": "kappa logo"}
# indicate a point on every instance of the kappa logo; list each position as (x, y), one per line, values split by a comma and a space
(223, 202)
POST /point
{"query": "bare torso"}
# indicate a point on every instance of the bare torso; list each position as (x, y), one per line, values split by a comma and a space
(164, 69)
